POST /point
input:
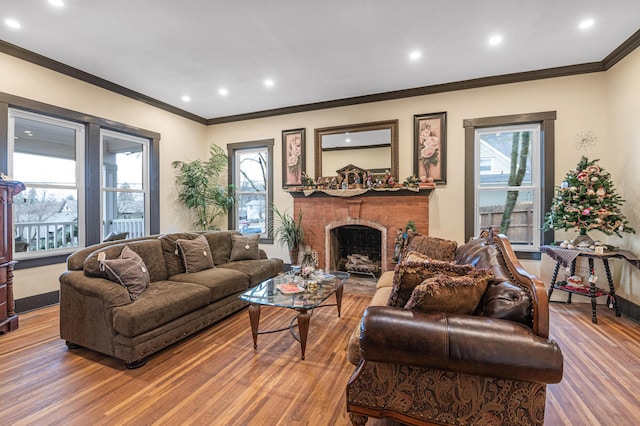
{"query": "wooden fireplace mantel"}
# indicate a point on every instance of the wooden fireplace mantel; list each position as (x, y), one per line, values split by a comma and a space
(348, 193)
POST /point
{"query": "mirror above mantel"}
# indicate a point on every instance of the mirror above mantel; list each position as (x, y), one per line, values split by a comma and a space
(371, 146)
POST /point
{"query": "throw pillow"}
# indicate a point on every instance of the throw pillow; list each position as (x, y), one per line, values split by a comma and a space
(129, 271)
(433, 247)
(408, 275)
(414, 256)
(195, 254)
(245, 247)
(453, 295)
(113, 236)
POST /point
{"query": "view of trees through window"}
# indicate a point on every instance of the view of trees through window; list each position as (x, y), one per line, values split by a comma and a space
(251, 190)
(507, 185)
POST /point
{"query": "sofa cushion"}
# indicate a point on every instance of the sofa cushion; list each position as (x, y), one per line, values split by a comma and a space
(256, 270)
(408, 275)
(172, 258)
(483, 254)
(115, 236)
(75, 261)
(433, 247)
(162, 302)
(220, 243)
(454, 295)
(220, 282)
(129, 271)
(149, 250)
(385, 280)
(502, 299)
(505, 300)
(195, 254)
(245, 247)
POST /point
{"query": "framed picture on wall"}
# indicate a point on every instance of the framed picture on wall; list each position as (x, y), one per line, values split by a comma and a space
(293, 157)
(430, 141)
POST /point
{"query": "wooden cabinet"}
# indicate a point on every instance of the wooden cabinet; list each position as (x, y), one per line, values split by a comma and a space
(8, 317)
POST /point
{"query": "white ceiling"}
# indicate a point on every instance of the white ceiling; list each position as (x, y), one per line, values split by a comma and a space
(314, 50)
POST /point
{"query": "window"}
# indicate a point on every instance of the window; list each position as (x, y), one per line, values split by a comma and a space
(486, 165)
(251, 172)
(46, 155)
(68, 203)
(124, 184)
(510, 163)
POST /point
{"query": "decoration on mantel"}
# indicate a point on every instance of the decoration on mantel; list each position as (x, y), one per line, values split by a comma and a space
(352, 180)
(587, 200)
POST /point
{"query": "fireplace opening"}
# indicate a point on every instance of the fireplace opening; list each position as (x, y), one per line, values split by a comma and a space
(356, 249)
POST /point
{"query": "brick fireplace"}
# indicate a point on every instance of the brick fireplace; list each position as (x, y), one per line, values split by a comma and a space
(384, 211)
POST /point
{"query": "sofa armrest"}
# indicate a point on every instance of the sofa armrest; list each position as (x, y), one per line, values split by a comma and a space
(461, 343)
(111, 294)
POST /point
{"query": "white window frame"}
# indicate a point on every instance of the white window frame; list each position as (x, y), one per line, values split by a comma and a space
(79, 186)
(238, 192)
(536, 178)
(145, 176)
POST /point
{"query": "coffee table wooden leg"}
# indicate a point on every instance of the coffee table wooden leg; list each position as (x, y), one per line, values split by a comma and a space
(304, 318)
(339, 299)
(254, 317)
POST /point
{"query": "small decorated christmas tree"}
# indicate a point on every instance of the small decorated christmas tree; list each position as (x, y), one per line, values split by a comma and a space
(587, 200)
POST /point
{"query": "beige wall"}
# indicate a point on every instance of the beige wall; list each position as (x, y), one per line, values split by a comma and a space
(181, 139)
(623, 111)
(580, 103)
(602, 103)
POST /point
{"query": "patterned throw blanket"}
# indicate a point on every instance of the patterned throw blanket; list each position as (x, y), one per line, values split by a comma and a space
(567, 256)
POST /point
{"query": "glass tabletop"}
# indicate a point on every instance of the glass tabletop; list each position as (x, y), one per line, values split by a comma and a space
(288, 292)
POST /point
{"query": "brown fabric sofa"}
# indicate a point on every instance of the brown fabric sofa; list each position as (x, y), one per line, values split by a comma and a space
(490, 367)
(99, 314)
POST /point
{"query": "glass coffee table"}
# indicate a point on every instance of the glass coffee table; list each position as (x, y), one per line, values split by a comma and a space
(282, 292)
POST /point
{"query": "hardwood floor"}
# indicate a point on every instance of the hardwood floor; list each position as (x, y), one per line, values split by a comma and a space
(216, 378)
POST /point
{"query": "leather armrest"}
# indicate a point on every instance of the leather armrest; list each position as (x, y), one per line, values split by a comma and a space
(461, 343)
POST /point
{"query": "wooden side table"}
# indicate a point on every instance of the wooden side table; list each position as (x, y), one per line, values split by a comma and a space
(593, 291)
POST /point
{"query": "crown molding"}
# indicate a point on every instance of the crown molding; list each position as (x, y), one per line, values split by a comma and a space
(622, 51)
(420, 91)
(43, 61)
(613, 58)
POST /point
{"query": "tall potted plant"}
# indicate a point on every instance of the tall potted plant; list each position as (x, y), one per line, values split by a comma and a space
(201, 190)
(289, 232)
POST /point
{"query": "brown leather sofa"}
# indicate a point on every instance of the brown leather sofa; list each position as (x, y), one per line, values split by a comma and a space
(487, 368)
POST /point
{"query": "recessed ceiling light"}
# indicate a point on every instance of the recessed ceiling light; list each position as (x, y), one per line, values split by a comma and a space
(57, 3)
(347, 140)
(415, 55)
(587, 23)
(495, 40)
(269, 82)
(12, 23)
(186, 98)
(223, 91)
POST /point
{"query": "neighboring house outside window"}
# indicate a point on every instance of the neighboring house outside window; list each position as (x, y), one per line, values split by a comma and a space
(46, 155)
(125, 180)
(251, 172)
(511, 173)
(68, 204)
